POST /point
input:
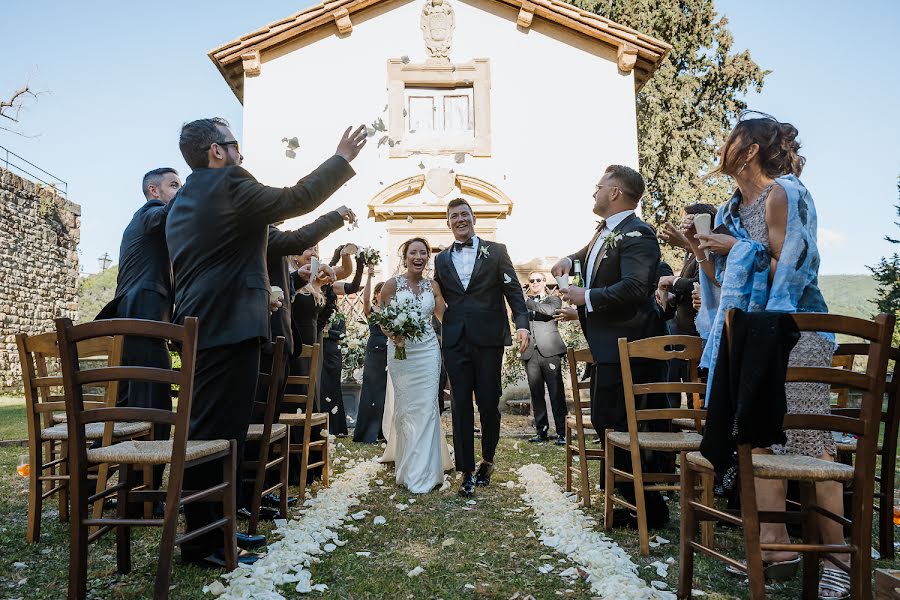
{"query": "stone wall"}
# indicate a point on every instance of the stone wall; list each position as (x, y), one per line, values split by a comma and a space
(39, 233)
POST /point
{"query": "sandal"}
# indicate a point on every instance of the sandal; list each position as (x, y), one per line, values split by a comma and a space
(774, 571)
(834, 580)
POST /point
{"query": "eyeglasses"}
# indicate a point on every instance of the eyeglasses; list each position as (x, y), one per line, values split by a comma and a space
(600, 185)
(234, 143)
(535, 280)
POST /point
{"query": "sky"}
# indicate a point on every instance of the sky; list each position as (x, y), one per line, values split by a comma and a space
(122, 78)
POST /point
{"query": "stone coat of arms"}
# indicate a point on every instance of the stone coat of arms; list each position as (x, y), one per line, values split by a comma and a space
(437, 24)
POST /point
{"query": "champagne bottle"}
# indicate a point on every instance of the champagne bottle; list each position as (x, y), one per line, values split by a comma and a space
(578, 280)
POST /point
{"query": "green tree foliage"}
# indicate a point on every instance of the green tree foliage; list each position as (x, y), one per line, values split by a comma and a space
(94, 291)
(689, 104)
(887, 274)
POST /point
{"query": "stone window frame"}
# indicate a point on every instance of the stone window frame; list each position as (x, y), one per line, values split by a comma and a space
(442, 74)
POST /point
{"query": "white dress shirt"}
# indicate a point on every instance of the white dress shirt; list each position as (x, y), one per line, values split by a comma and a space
(611, 223)
(464, 261)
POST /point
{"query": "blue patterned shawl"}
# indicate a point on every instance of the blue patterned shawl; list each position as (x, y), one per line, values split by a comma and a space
(744, 272)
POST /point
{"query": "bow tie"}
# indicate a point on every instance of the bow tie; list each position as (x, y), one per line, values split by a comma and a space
(535, 298)
(458, 246)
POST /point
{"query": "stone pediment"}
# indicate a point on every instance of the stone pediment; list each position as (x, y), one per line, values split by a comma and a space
(636, 52)
(410, 198)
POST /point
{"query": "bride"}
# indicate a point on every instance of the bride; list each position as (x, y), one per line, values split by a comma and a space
(416, 444)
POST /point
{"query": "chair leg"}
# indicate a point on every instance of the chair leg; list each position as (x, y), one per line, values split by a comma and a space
(148, 485)
(707, 531)
(326, 455)
(886, 506)
(304, 468)
(750, 517)
(583, 468)
(169, 531)
(568, 458)
(609, 483)
(102, 477)
(35, 491)
(65, 484)
(688, 530)
(229, 508)
(283, 477)
(810, 536)
(123, 532)
(78, 537)
(256, 498)
(637, 475)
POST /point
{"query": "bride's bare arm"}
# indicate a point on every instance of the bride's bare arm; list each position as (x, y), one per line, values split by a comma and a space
(439, 304)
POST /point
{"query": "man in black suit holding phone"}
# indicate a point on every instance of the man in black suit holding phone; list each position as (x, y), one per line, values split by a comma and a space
(622, 265)
(217, 235)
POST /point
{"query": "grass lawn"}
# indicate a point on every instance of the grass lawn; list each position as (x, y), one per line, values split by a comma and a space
(490, 549)
(12, 418)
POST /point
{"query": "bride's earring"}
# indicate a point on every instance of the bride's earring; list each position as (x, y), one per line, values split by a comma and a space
(744, 166)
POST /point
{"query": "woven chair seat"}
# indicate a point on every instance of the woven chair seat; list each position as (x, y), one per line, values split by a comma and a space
(153, 453)
(688, 423)
(94, 431)
(789, 466)
(573, 423)
(299, 419)
(255, 431)
(653, 440)
(59, 417)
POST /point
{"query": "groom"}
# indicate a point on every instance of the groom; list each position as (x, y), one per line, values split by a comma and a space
(474, 276)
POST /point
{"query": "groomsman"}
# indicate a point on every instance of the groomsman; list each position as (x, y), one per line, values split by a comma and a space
(622, 265)
(542, 359)
(478, 281)
(144, 291)
(217, 234)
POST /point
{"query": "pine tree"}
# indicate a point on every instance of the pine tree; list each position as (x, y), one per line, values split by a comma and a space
(689, 104)
(887, 274)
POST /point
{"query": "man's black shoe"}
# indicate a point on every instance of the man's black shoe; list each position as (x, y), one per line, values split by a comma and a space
(467, 489)
(483, 475)
(560, 440)
(275, 501)
(538, 439)
(248, 542)
(624, 518)
(216, 560)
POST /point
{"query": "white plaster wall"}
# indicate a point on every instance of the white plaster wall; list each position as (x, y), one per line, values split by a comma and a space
(560, 112)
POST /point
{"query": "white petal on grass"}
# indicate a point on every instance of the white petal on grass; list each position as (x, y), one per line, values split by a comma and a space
(471, 502)
(545, 569)
(415, 572)
(329, 547)
(401, 507)
(469, 586)
(379, 520)
(448, 542)
(364, 554)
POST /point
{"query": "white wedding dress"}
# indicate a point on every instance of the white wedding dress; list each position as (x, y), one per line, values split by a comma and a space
(416, 444)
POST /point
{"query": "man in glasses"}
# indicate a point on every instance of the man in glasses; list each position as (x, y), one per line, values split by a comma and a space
(217, 234)
(542, 359)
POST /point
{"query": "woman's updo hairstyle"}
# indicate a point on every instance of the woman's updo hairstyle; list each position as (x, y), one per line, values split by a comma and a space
(404, 248)
(778, 146)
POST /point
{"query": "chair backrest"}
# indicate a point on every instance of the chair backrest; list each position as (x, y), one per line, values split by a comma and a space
(582, 405)
(865, 421)
(294, 403)
(268, 381)
(662, 348)
(42, 377)
(71, 339)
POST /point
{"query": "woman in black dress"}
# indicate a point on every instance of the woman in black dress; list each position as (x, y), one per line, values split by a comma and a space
(332, 327)
(374, 383)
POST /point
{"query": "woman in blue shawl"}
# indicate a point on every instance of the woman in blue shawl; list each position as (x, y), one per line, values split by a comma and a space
(765, 257)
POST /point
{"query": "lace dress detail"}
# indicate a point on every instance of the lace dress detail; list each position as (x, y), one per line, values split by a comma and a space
(812, 350)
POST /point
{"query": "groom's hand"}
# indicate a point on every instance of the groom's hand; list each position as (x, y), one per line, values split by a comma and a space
(522, 338)
(574, 295)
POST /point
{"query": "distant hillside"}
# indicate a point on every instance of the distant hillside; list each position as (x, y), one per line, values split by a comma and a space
(849, 294)
(94, 291)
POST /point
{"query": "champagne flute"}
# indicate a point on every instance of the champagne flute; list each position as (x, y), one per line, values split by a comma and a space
(23, 468)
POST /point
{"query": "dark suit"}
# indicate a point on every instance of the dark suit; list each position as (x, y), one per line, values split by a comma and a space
(542, 360)
(474, 331)
(144, 291)
(217, 233)
(622, 287)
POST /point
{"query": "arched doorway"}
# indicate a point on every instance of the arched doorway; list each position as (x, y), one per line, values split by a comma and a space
(417, 206)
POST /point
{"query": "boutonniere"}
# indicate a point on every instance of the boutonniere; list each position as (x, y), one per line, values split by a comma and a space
(612, 238)
(484, 251)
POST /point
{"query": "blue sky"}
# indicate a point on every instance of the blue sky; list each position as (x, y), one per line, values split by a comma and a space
(124, 76)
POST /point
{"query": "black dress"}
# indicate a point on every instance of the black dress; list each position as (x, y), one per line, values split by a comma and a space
(330, 397)
(374, 385)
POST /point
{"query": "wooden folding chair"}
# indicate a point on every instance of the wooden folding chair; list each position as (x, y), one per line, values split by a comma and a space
(179, 452)
(47, 431)
(268, 434)
(298, 410)
(885, 476)
(634, 441)
(578, 428)
(807, 470)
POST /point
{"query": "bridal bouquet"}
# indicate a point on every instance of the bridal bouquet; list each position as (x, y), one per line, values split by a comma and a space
(370, 256)
(402, 320)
